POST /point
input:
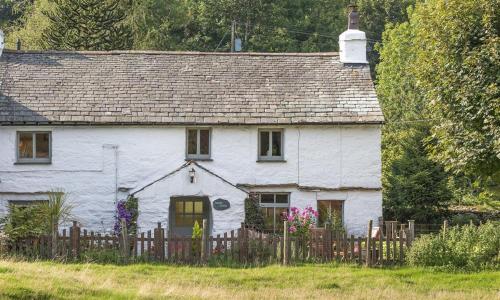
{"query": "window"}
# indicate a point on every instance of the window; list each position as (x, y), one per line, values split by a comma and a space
(273, 207)
(187, 212)
(198, 143)
(33, 147)
(271, 144)
(329, 210)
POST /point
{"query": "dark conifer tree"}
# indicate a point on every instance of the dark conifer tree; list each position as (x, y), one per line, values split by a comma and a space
(87, 25)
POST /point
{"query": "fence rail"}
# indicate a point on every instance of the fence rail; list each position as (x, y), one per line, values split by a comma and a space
(381, 245)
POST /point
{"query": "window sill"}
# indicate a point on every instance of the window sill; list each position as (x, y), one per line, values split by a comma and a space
(271, 160)
(33, 163)
(198, 159)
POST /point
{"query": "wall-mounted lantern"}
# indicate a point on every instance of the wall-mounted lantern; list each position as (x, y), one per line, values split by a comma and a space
(192, 173)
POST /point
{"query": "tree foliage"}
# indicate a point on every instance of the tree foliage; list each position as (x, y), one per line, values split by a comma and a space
(458, 60)
(86, 25)
(415, 187)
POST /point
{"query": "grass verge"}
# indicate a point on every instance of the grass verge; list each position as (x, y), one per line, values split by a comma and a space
(48, 280)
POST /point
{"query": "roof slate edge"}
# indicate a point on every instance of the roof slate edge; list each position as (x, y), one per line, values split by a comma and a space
(152, 52)
(145, 123)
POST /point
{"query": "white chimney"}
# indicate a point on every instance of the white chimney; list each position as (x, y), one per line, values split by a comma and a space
(352, 42)
(1, 42)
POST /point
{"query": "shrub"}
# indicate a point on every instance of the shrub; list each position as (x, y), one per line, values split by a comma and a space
(253, 214)
(25, 221)
(196, 236)
(464, 219)
(468, 248)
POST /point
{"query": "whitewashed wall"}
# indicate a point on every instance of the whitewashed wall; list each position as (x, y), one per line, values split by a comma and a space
(90, 162)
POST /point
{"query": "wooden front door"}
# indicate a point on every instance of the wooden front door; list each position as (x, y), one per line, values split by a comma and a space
(185, 211)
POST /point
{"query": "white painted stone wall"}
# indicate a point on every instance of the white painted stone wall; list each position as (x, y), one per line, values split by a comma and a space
(90, 162)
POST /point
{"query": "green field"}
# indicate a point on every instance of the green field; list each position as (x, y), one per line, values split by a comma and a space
(46, 280)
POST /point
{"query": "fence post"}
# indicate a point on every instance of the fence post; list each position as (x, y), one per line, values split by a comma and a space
(285, 243)
(445, 226)
(75, 240)
(124, 240)
(161, 243)
(411, 227)
(368, 244)
(204, 240)
(54, 235)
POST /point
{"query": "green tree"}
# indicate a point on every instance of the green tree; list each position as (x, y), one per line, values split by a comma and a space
(375, 15)
(86, 25)
(416, 187)
(458, 59)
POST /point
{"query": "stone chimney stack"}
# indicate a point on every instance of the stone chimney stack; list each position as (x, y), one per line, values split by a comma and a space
(352, 42)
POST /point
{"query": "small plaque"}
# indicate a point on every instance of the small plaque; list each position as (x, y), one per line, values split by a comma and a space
(221, 204)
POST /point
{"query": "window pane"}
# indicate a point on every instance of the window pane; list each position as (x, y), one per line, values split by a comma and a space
(179, 207)
(276, 143)
(25, 145)
(264, 143)
(204, 141)
(42, 145)
(329, 209)
(192, 141)
(281, 198)
(267, 198)
(188, 207)
(198, 208)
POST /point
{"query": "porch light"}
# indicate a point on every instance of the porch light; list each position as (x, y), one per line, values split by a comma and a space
(192, 172)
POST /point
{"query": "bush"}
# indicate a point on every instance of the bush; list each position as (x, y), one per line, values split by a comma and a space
(468, 248)
(253, 214)
(25, 221)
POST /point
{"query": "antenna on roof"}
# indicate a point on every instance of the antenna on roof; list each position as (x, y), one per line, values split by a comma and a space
(1, 42)
(235, 41)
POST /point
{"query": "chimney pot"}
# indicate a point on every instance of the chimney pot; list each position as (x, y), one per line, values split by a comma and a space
(353, 17)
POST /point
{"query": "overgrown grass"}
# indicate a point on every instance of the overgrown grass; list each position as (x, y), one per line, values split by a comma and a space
(48, 280)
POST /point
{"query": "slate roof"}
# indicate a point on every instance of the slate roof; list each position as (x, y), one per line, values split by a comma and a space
(133, 87)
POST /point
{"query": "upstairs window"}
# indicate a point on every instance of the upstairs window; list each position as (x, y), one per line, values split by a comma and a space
(33, 147)
(198, 143)
(271, 145)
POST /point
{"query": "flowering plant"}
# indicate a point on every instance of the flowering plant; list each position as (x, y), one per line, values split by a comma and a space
(299, 222)
(126, 210)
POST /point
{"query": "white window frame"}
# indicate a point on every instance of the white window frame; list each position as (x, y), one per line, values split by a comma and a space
(274, 205)
(34, 159)
(269, 156)
(199, 156)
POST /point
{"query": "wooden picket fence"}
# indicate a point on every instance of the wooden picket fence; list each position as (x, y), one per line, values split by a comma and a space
(382, 245)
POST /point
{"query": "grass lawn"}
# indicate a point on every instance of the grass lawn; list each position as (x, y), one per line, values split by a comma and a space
(47, 280)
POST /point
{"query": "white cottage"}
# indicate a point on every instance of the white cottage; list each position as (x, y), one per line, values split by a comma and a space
(181, 130)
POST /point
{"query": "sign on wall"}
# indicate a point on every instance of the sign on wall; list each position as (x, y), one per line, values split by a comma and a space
(221, 204)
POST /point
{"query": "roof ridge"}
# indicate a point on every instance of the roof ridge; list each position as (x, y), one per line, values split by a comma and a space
(155, 52)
